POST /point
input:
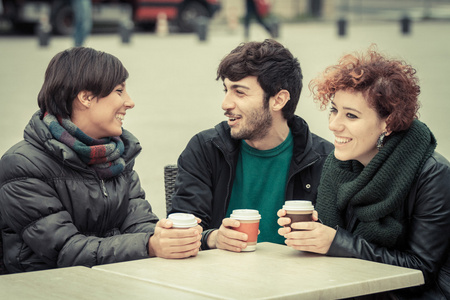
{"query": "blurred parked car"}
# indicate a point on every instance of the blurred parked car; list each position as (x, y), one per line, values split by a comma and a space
(182, 13)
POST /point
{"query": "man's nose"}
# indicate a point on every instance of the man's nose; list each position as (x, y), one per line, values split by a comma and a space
(228, 103)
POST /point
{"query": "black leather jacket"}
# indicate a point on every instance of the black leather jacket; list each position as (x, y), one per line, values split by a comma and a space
(426, 245)
(56, 212)
(206, 171)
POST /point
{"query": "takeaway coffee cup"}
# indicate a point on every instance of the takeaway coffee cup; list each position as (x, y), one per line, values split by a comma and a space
(182, 220)
(249, 224)
(298, 211)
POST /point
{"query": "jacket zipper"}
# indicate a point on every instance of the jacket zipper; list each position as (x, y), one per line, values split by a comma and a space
(102, 182)
(105, 191)
(231, 174)
(103, 187)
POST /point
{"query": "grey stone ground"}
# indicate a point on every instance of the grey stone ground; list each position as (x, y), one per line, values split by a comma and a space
(172, 81)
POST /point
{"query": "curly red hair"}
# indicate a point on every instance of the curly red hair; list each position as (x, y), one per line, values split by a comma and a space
(390, 86)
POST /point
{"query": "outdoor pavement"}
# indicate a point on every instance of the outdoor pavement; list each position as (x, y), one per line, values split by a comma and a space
(172, 81)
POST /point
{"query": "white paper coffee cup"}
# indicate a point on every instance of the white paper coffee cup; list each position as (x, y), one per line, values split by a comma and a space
(182, 220)
(298, 205)
(245, 214)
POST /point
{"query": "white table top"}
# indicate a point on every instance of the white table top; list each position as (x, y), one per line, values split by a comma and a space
(80, 283)
(272, 271)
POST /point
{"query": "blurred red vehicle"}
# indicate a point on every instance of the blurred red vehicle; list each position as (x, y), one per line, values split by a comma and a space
(182, 13)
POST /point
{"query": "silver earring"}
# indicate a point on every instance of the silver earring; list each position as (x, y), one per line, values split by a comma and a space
(380, 141)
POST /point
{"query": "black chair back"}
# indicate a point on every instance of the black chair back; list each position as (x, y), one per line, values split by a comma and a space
(170, 174)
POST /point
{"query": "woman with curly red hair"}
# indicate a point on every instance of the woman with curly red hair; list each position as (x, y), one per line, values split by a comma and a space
(384, 193)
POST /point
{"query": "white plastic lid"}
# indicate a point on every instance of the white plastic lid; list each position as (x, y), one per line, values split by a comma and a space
(298, 205)
(182, 220)
(245, 214)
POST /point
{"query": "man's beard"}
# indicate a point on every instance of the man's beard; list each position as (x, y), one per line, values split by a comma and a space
(257, 126)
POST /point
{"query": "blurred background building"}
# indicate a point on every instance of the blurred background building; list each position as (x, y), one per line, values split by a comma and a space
(183, 15)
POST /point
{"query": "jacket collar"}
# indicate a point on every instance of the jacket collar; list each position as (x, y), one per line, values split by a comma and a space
(303, 143)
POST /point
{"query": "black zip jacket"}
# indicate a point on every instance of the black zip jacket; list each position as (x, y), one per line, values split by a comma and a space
(56, 212)
(426, 244)
(206, 171)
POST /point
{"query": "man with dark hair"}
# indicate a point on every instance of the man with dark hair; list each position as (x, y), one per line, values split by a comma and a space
(262, 156)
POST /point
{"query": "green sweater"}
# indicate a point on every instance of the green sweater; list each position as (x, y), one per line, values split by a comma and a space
(260, 183)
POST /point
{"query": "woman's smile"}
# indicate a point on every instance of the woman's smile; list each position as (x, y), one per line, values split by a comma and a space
(341, 140)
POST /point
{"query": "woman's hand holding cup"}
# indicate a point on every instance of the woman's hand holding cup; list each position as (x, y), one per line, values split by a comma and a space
(308, 235)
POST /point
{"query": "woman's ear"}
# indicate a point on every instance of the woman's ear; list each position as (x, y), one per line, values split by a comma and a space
(280, 100)
(84, 98)
(386, 122)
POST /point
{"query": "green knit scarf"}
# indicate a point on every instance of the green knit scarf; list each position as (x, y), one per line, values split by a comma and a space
(375, 192)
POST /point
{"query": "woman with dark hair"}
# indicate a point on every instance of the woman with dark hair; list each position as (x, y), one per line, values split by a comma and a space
(68, 192)
(384, 193)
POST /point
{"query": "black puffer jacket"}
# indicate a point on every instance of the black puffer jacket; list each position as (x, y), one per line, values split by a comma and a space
(206, 171)
(426, 246)
(56, 212)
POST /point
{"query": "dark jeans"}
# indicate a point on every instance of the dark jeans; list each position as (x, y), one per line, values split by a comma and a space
(82, 10)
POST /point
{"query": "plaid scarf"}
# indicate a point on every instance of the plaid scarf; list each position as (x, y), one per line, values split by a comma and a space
(375, 192)
(103, 155)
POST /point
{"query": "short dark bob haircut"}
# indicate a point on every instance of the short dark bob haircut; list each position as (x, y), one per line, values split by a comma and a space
(274, 66)
(78, 69)
(390, 86)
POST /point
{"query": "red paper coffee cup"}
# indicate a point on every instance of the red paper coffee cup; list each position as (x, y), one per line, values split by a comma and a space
(249, 224)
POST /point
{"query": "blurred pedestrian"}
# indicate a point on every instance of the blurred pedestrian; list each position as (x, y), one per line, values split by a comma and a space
(82, 10)
(315, 8)
(253, 11)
